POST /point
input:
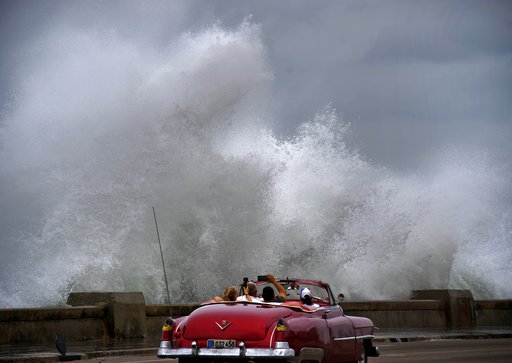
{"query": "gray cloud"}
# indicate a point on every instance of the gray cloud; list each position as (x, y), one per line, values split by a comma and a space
(411, 77)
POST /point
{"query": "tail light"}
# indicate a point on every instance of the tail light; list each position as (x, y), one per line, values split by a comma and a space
(168, 339)
(281, 330)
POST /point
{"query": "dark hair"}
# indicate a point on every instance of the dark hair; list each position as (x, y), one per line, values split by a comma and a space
(268, 293)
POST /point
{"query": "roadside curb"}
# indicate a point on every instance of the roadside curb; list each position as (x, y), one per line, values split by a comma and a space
(54, 357)
(33, 357)
(120, 352)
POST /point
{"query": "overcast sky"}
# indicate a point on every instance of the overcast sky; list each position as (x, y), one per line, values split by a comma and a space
(412, 77)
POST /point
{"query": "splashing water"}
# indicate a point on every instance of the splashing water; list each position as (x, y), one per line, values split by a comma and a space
(101, 131)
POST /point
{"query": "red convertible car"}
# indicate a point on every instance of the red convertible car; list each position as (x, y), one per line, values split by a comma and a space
(279, 332)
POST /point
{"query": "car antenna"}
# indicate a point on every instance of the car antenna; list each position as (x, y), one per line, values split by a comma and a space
(163, 264)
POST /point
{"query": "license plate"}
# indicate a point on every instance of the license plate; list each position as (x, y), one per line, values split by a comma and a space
(221, 344)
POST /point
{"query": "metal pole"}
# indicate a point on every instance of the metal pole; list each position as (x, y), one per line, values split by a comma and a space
(162, 255)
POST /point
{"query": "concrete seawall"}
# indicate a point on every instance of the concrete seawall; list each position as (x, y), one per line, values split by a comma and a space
(111, 315)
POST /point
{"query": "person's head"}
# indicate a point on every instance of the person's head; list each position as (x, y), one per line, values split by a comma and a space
(230, 294)
(268, 293)
(306, 296)
(251, 287)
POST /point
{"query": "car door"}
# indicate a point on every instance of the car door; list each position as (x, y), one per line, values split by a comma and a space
(342, 335)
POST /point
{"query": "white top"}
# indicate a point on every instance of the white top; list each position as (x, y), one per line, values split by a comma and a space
(244, 298)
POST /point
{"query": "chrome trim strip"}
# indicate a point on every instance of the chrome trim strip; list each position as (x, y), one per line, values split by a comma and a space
(223, 327)
(365, 337)
(346, 338)
(355, 338)
(231, 352)
(272, 337)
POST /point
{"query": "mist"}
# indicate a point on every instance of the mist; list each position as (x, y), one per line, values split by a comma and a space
(254, 160)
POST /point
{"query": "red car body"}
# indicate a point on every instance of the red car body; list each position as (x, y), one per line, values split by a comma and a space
(258, 331)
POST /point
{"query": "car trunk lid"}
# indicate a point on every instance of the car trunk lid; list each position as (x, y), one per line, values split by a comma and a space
(240, 321)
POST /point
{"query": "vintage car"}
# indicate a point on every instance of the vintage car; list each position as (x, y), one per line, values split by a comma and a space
(278, 332)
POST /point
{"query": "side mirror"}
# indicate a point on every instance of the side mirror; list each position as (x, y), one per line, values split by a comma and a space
(341, 297)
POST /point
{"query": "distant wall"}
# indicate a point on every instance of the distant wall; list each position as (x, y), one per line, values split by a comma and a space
(125, 315)
(42, 325)
(408, 314)
(494, 313)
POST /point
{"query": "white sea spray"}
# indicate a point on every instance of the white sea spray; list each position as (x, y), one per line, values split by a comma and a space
(102, 131)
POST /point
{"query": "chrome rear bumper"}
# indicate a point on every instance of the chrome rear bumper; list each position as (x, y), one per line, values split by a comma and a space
(165, 351)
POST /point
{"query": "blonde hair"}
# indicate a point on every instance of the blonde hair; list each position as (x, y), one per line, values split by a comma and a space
(230, 294)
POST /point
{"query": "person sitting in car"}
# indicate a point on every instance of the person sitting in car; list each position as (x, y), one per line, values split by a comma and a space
(230, 294)
(250, 293)
(268, 293)
(306, 297)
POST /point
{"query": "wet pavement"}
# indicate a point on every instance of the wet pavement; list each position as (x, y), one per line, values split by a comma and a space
(79, 350)
(90, 349)
(386, 335)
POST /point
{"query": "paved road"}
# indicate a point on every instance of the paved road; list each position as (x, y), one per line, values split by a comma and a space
(450, 350)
